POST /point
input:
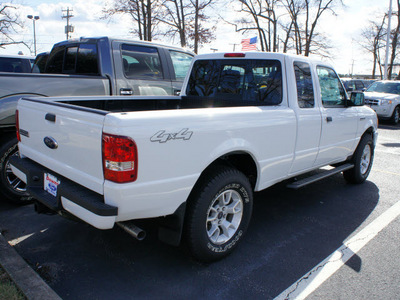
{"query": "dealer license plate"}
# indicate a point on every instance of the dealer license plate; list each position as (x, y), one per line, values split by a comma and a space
(51, 184)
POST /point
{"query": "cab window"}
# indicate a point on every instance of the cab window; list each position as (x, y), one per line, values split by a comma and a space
(332, 91)
(74, 59)
(181, 63)
(141, 62)
(305, 91)
(242, 83)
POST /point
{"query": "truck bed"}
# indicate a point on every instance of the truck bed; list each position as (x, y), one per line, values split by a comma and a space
(147, 103)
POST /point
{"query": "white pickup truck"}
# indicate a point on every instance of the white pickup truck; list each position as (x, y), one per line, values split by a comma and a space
(244, 122)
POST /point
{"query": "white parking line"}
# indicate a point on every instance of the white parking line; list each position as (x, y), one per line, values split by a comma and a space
(320, 273)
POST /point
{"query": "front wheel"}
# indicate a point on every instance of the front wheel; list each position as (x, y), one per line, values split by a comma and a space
(396, 115)
(362, 160)
(218, 213)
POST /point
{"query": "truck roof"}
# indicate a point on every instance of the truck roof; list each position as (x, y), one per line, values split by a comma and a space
(257, 55)
(111, 39)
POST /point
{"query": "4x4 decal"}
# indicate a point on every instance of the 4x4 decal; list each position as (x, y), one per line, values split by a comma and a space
(162, 137)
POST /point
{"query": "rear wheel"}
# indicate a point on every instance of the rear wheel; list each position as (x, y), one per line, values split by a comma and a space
(11, 187)
(362, 160)
(218, 213)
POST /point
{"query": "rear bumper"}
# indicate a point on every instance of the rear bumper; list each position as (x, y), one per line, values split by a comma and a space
(70, 196)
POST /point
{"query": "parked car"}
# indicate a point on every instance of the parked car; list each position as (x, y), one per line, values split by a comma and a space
(243, 122)
(353, 85)
(384, 97)
(39, 64)
(16, 63)
(368, 82)
(83, 67)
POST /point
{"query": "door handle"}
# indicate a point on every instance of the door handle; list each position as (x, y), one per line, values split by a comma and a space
(329, 119)
(126, 92)
(50, 117)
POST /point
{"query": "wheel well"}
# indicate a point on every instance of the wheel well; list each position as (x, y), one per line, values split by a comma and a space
(369, 131)
(6, 134)
(241, 161)
(171, 229)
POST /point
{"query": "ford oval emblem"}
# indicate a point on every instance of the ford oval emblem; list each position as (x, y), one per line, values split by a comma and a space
(50, 142)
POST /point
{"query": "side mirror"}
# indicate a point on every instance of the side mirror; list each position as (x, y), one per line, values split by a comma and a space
(356, 99)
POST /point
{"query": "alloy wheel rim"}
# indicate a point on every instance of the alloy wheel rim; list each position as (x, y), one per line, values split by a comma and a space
(365, 159)
(224, 216)
(13, 181)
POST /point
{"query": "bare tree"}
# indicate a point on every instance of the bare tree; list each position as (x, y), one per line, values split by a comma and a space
(305, 15)
(143, 12)
(9, 24)
(201, 34)
(294, 9)
(176, 16)
(264, 20)
(373, 41)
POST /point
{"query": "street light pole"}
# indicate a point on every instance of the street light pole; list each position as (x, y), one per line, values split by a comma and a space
(385, 74)
(34, 19)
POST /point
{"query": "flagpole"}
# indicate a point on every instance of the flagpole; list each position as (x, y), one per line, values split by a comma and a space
(387, 42)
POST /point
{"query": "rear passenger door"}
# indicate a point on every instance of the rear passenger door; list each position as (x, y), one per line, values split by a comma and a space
(308, 117)
(140, 70)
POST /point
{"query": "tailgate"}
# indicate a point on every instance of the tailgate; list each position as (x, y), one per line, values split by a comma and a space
(64, 138)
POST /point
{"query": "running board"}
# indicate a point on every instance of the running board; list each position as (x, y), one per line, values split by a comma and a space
(303, 182)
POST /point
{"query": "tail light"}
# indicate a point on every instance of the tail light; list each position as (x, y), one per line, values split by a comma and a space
(120, 158)
(17, 125)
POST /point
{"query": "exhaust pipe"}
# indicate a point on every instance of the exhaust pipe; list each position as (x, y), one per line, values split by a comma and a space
(133, 230)
(43, 209)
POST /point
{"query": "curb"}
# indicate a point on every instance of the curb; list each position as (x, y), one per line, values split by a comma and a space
(24, 277)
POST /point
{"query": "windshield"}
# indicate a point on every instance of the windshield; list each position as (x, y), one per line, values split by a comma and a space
(385, 87)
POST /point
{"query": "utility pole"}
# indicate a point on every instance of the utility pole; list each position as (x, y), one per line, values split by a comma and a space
(68, 28)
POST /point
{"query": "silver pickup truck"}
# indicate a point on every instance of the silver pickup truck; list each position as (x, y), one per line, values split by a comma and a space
(87, 67)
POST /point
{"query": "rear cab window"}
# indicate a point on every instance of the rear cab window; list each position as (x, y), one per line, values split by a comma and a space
(240, 82)
(80, 59)
(141, 62)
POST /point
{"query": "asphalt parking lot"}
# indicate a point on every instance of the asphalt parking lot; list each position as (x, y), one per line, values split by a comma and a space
(291, 233)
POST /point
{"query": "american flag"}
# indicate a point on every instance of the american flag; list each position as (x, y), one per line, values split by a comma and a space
(249, 44)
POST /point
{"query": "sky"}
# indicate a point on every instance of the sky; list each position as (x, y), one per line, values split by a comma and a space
(343, 30)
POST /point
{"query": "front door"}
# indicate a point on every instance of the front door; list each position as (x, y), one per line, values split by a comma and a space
(339, 122)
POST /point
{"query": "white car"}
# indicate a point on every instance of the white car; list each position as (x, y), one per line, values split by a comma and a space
(384, 98)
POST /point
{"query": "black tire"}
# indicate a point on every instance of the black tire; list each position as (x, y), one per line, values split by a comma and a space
(208, 217)
(362, 160)
(12, 188)
(395, 116)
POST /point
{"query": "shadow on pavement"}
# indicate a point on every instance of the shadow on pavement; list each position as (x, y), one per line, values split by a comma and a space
(291, 231)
